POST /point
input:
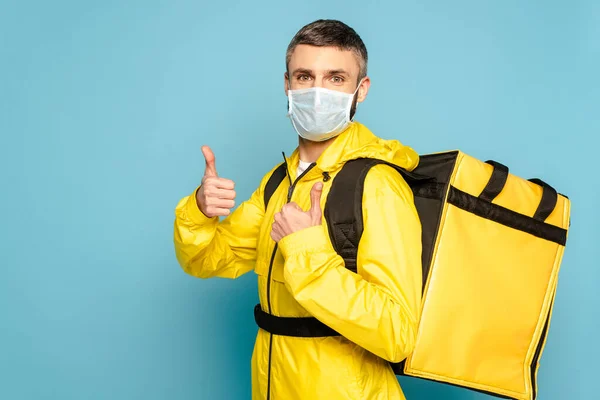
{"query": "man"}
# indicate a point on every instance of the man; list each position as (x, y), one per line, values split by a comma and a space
(375, 310)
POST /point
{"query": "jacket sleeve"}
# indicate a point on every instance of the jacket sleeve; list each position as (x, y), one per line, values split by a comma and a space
(206, 247)
(378, 307)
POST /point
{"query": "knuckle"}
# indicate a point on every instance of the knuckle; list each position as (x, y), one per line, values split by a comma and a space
(227, 183)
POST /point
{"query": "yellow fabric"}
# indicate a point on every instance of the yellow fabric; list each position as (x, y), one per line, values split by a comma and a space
(489, 290)
(376, 310)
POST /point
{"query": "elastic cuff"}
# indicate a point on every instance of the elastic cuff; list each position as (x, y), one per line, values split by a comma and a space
(308, 239)
(194, 213)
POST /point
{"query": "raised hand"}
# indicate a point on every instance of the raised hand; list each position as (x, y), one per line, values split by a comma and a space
(216, 196)
(291, 218)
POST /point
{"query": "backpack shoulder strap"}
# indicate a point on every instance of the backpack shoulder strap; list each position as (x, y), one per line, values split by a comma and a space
(274, 181)
(343, 209)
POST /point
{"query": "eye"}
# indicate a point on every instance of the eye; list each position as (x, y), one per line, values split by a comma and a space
(337, 79)
(303, 78)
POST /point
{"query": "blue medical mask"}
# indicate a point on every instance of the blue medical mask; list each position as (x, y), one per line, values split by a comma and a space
(318, 114)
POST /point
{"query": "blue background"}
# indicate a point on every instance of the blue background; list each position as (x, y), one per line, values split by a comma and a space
(104, 107)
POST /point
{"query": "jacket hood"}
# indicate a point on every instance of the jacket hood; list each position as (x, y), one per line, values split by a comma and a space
(359, 142)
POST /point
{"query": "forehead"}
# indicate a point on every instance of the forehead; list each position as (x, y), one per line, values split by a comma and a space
(323, 58)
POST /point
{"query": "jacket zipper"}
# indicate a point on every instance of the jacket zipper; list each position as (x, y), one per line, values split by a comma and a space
(289, 198)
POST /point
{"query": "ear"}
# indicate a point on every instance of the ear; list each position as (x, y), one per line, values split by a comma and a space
(286, 83)
(363, 89)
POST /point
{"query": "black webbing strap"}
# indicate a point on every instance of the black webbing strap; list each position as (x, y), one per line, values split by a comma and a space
(496, 182)
(506, 217)
(548, 202)
(274, 181)
(343, 209)
(291, 326)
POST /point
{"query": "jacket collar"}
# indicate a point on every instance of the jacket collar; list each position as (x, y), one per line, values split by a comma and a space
(354, 137)
(355, 142)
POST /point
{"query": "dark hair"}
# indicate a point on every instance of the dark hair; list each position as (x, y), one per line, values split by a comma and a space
(329, 32)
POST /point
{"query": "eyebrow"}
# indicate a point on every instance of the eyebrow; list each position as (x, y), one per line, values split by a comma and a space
(328, 73)
(337, 72)
(302, 71)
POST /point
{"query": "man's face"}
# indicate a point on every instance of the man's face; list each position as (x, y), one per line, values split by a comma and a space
(326, 67)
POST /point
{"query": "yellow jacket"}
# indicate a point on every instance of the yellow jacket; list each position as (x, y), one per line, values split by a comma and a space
(376, 310)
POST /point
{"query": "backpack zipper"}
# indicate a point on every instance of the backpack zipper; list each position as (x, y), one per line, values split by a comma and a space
(289, 198)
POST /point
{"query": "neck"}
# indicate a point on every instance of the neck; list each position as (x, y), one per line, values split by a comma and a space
(311, 151)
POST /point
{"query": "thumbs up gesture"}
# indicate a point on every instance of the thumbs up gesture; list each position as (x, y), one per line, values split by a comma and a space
(292, 218)
(216, 196)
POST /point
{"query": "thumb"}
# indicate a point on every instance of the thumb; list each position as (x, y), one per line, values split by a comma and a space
(209, 157)
(315, 202)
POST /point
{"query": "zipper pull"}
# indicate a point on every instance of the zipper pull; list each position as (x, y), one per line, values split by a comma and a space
(326, 176)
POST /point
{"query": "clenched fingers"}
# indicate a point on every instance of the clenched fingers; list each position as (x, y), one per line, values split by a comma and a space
(225, 194)
(276, 232)
(219, 203)
(217, 211)
(219, 183)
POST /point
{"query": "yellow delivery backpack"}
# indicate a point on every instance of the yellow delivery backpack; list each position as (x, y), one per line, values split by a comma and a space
(492, 248)
(492, 267)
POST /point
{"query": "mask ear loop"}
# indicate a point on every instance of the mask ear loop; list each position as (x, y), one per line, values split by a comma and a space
(289, 91)
(352, 101)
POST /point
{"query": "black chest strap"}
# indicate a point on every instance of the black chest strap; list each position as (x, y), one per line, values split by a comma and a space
(291, 326)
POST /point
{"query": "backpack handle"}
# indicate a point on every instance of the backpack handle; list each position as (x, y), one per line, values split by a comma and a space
(548, 202)
(496, 182)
